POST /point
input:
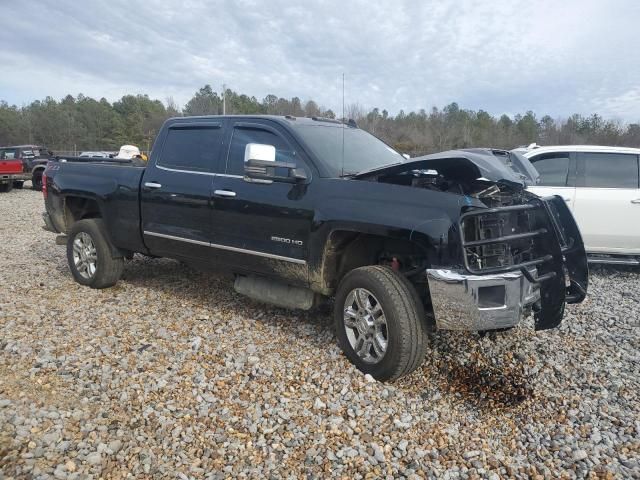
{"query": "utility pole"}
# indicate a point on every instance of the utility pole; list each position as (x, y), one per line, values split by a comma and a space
(224, 99)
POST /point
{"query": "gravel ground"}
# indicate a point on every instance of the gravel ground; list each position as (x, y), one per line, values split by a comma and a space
(171, 374)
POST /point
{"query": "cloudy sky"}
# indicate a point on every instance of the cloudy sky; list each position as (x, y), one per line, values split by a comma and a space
(505, 56)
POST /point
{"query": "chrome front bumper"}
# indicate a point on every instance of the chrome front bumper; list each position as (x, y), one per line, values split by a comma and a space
(480, 302)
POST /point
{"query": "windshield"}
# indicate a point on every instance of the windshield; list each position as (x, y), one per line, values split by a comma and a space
(362, 151)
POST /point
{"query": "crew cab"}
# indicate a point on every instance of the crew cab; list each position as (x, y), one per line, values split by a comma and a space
(601, 186)
(34, 159)
(301, 209)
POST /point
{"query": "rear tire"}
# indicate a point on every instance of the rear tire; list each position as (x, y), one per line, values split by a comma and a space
(4, 187)
(388, 338)
(18, 185)
(90, 255)
(36, 181)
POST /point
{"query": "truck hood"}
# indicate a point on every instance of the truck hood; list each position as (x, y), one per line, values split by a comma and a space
(469, 164)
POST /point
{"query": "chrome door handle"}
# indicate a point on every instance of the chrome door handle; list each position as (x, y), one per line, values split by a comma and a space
(224, 193)
(635, 200)
(152, 185)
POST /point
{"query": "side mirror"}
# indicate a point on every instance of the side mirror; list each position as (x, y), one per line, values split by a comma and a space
(406, 156)
(260, 166)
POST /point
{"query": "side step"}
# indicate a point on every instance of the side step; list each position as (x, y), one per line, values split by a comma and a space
(277, 293)
(613, 260)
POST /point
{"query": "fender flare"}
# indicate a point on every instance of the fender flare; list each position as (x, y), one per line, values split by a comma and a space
(115, 251)
(321, 245)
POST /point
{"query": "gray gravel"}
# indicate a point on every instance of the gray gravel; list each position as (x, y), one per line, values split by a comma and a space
(172, 374)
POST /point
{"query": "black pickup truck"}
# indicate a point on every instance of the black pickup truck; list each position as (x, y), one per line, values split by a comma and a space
(301, 209)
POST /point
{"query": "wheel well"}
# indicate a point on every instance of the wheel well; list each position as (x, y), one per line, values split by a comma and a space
(346, 250)
(78, 208)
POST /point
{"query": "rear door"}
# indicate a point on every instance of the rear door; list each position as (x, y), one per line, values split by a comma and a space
(607, 202)
(262, 227)
(176, 190)
(557, 175)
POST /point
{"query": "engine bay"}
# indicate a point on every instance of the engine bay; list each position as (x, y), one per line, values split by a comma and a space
(492, 194)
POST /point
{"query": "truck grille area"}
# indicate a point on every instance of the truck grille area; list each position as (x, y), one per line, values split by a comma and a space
(504, 239)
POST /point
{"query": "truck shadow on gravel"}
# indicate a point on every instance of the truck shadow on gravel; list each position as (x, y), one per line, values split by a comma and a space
(478, 380)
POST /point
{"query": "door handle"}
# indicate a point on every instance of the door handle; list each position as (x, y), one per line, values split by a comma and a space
(152, 185)
(567, 199)
(224, 193)
(635, 200)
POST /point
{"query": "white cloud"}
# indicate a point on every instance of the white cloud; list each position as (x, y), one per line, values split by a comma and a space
(503, 56)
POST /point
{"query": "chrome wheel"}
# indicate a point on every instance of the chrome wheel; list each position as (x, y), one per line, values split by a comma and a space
(85, 256)
(365, 325)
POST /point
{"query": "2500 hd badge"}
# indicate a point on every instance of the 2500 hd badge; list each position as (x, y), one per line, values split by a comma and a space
(287, 240)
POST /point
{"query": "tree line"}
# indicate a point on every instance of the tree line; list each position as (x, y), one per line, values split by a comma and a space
(83, 123)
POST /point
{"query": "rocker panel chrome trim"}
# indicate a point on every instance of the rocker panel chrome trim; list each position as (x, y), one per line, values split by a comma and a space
(227, 247)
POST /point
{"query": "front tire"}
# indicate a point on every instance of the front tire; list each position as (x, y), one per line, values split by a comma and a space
(90, 255)
(380, 322)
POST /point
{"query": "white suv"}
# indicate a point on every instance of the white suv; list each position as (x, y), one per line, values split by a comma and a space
(601, 185)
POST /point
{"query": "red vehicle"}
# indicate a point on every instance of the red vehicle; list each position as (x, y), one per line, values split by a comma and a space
(34, 159)
(10, 173)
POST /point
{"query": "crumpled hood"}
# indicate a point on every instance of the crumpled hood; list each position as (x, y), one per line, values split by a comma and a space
(471, 164)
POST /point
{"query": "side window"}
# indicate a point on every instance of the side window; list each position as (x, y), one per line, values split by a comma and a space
(192, 148)
(243, 135)
(609, 170)
(553, 169)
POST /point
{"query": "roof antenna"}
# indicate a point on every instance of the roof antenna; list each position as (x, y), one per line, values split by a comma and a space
(343, 118)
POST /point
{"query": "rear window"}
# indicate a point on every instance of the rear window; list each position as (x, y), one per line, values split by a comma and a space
(609, 170)
(192, 148)
(8, 153)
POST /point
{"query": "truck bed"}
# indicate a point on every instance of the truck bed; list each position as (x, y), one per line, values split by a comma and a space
(114, 184)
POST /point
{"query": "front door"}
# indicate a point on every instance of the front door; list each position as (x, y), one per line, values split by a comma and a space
(262, 227)
(176, 190)
(607, 202)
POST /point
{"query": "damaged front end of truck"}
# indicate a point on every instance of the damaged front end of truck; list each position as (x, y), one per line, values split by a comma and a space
(509, 252)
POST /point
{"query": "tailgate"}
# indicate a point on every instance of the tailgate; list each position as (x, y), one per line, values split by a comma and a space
(10, 167)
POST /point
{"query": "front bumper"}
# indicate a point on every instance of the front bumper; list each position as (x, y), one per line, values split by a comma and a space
(480, 302)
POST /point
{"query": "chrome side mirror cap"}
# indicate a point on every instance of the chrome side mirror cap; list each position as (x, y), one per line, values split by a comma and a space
(259, 152)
